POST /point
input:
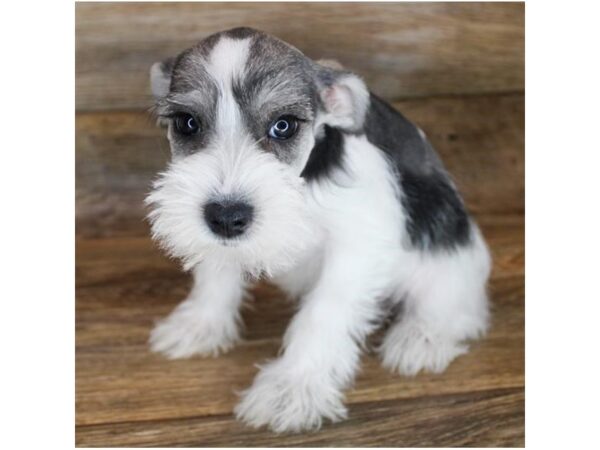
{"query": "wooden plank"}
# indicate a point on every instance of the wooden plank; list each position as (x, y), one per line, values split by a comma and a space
(401, 49)
(482, 419)
(119, 380)
(481, 140)
(124, 382)
(124, 284)
(114, 261)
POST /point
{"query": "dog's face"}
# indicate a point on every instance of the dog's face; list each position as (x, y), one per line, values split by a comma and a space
(244, 111)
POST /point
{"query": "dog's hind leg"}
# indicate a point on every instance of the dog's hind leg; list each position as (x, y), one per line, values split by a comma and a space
(445, 305)
(207, 322)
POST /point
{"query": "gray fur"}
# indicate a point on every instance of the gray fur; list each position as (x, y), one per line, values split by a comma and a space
(279, 80)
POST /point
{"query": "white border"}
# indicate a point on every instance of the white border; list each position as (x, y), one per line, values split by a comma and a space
(37, 220)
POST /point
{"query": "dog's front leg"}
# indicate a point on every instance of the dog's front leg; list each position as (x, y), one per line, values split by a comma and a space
(207, 322)
(321, 351)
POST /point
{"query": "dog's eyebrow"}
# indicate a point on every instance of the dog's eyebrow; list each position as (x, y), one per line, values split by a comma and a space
(176, 102)
(302, 111)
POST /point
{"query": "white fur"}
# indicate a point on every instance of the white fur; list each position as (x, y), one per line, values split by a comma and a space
(350, 256)
(322, 344)
(228, 59)
(226, 64)
(445, 304)
(339, 243)
(346, 103)
(282, 228)
(364, 262)
(207, 322)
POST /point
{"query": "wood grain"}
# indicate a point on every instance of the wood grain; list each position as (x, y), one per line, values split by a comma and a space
(480, 138)
(481, 419)
(401, 49)
(126, 396)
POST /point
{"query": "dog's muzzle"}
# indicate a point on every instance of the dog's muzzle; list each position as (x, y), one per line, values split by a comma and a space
(228, 219)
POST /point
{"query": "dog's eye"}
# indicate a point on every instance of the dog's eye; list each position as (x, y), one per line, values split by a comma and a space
(283, 128)
(186, 124)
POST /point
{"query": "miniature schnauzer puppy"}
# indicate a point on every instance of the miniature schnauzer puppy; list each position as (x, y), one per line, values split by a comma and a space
(289, 169)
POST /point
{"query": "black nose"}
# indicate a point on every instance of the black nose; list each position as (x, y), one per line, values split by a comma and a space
(228, 219)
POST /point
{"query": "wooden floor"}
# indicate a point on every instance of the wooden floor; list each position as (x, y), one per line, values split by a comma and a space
(127, 396)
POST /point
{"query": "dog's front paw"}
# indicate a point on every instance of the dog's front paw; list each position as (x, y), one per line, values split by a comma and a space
(286, 400)
(187, 332)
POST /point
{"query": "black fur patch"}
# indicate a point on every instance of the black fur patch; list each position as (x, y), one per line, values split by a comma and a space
(436, 216)
(326, 155)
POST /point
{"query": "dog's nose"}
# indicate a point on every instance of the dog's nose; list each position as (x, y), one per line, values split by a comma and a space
(228, 219)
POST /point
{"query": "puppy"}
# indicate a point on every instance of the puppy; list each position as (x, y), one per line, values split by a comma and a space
(291, 170)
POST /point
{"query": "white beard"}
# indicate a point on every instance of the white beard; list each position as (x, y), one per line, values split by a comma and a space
(282, 228)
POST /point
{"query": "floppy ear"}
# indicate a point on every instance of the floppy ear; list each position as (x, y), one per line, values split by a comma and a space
(160, 77)
(344, 96)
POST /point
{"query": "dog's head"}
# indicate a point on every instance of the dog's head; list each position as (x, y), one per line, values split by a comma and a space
(244, 112)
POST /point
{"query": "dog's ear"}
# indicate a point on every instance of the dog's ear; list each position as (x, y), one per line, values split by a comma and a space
(344, 96)
(160, 77)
